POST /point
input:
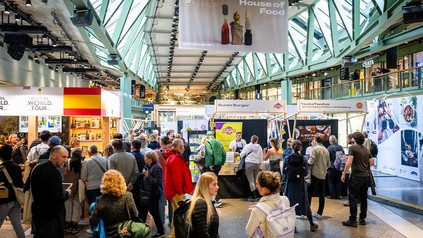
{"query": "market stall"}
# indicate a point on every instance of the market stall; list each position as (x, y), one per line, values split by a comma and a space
(230, 185)
(81, 116)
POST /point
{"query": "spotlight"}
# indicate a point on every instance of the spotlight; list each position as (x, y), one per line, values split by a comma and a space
(17, 18)
(28, 3)
(6, 10)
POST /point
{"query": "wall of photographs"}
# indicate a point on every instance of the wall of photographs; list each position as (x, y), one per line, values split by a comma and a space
(393, 124)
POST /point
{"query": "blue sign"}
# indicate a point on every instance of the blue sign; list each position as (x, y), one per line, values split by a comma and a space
(147, 108)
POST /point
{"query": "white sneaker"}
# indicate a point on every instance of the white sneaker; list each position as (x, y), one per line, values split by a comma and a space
(317, 215)
(218, 204)
(301, 217)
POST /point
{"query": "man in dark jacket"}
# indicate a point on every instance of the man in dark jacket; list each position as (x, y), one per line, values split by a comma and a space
(139, 157)
(334, 175)
(48, 207)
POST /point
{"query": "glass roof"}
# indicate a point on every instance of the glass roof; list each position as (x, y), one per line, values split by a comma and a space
(125, 22)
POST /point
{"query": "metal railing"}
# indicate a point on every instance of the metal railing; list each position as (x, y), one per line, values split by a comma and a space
(407, 81)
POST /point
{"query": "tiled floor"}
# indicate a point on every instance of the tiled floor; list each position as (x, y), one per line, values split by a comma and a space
(383, 221)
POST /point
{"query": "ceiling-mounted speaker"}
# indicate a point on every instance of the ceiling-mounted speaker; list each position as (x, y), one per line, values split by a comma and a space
(113, 59)
(17, 43)
(412, 14)
(82, 17)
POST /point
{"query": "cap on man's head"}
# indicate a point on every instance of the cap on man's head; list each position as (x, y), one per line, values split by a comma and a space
(210, 133)
(54, 140)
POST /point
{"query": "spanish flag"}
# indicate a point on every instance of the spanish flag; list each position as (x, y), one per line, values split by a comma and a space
(82, 101)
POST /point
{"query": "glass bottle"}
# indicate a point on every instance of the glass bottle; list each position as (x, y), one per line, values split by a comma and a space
(225, 33)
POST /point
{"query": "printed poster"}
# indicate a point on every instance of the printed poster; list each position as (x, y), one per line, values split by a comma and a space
(226, 132)
(228, 25)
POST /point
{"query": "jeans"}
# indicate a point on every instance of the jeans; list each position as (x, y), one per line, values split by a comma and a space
(215, 170)
(13, 211)
(334, 177)
(318, 184)
(251, 171)
(358, 193)
(162, 206)
(92, 195)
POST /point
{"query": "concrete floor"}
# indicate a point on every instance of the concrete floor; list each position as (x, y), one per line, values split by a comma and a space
(383, 221)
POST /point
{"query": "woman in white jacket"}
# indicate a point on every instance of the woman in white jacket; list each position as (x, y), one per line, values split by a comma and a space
(253, 163)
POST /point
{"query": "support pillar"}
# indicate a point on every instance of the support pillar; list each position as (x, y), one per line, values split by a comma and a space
(286, 91)
(125, 89)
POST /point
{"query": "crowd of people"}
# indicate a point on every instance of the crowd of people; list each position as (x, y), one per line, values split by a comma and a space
(129, 179)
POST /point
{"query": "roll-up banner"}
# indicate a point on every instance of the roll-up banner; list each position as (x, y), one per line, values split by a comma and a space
(234, 25)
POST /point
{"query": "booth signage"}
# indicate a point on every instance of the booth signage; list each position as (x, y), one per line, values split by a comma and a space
(368, 63)
(249, 106)
(17, 101)
(190, 111)
(110, 104)
(147, 108)
(331, 106)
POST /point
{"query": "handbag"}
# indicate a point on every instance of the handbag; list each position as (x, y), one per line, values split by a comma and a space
(132, 228)
(19, 193)
(241, 166)
(81, 190)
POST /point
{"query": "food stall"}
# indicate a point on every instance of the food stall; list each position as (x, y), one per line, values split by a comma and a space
(230, 185)
(84, 115)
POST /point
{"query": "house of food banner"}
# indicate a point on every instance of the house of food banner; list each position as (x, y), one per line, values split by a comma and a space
(392, 122)
(234, 25)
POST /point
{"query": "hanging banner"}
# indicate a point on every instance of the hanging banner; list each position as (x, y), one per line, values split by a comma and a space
(226, 132)
(33, 101)
(331, 106)
(249, 106)
(243, 25)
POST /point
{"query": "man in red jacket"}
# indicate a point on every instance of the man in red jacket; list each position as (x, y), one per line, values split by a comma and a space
(177, 176)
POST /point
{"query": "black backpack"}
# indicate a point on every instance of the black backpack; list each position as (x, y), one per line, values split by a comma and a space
(373, 149)
(295, 169)
(182, 229)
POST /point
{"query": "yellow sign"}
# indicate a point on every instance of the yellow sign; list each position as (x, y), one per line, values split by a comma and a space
(226, 132)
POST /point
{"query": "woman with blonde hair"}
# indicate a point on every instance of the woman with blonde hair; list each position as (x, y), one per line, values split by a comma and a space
(274, 155)
(113, 206)
(108, 151)
(202, 216)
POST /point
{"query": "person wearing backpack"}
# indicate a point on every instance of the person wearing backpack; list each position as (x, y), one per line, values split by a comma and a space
(268, 185)
(202, 219)
(334, 172)
(295, 186)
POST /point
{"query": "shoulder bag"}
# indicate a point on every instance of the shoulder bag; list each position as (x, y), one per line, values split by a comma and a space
(82, 186)
(132, 228)
(19, 193)
(241, 167)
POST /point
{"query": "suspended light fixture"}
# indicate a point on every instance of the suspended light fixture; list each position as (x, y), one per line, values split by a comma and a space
(6, 10)
(28, 3)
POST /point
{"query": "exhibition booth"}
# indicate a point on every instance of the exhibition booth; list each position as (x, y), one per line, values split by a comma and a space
(81, 116)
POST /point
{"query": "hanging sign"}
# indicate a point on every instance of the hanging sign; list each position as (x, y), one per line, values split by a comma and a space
(331, 106)
(31, 101)
(242, 25)
(249, 106)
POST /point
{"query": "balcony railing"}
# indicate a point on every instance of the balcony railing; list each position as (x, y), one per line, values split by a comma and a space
(407, 81)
